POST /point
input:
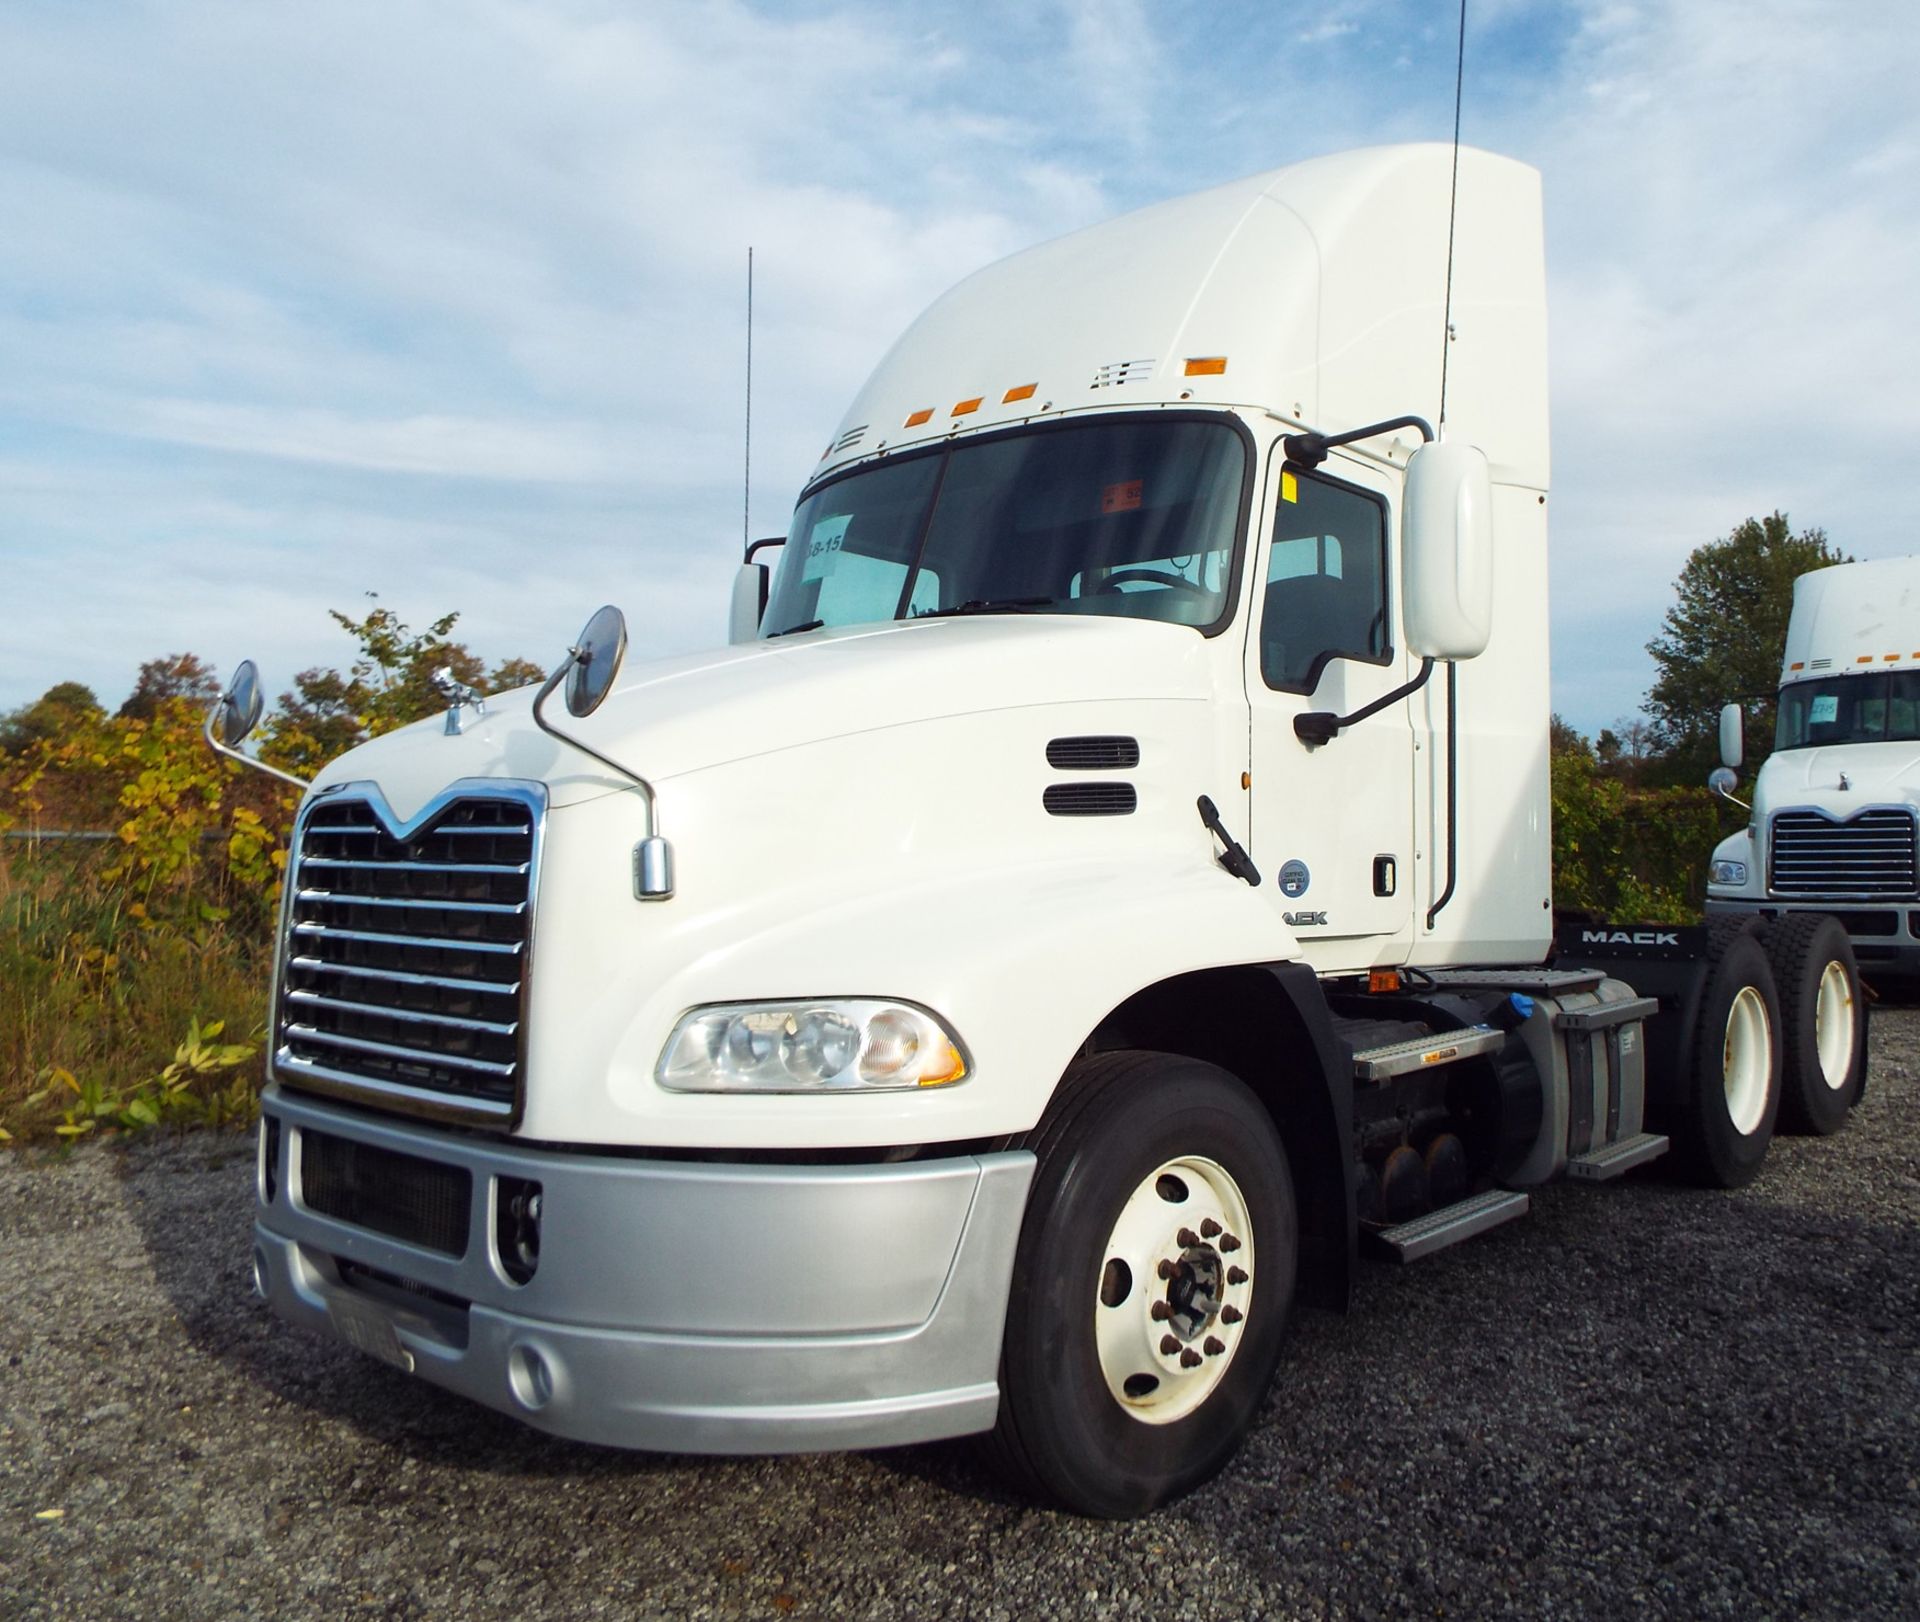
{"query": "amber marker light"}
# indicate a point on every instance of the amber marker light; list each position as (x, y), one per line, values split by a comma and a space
(966, 408)
(1206, 365)
(1026, 391)
(938, 1074)
(925, 414)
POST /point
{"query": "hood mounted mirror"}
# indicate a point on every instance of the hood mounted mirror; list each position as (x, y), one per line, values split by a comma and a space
(233, 717)
(588, 672)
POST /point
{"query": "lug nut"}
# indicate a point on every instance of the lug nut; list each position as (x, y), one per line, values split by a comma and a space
(1229, 1315)
(1209, 1228)
(1188, 1238)
(1160, 1312)
(1189, 1359)
(1169, 1344)
(1166, 1269)
(1228, 1243)
(1214, 1345)
(1236, 1275)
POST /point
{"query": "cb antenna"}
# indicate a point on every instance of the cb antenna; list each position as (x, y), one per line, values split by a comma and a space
(746, 477)
(1453, 205)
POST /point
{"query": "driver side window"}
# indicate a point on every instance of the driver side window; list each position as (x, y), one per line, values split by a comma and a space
(1326, 591)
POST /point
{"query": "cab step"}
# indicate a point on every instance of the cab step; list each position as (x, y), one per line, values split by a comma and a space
(1437, 1230)
(1599, 1165)
(1401, 1058)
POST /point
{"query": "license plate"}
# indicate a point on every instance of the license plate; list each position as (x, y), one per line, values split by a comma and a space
(368, 1330)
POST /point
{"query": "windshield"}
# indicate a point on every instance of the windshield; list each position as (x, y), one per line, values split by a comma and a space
(1875, 708)
(1114, 517)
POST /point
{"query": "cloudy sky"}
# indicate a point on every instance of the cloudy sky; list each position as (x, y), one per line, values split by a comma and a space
(445, 301)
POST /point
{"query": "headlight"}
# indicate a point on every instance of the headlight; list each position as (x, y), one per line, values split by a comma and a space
(1725, 872)
(838, 1044)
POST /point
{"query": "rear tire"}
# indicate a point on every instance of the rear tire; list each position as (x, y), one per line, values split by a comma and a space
(1733, 1080)
(1151, 1288)
(1822, 1022)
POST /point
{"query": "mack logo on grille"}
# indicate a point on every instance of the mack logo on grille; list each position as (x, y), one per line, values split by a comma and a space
(405, 971)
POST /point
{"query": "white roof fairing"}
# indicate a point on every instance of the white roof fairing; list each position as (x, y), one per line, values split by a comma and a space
(1323, 284)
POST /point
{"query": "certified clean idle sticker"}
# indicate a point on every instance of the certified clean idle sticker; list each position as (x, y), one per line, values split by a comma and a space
(1294, 878)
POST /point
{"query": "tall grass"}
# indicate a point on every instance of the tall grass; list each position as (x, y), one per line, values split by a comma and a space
(94, 986)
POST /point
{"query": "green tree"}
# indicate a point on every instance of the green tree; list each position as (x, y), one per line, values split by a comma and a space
(177, 675)
(1721, 641)
(388, 685)
(61, 708)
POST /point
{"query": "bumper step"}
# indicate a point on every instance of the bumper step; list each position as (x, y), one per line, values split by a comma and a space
(1599, 1165)
(1400, 1058)
(1448, 1226)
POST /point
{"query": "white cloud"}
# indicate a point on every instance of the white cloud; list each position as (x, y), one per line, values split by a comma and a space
(446, 300)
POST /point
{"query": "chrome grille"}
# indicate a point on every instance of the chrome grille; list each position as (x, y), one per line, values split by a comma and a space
(405, 971)
(1871, 854)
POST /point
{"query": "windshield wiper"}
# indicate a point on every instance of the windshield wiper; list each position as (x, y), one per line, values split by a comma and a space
(804, 625)
(986, 605)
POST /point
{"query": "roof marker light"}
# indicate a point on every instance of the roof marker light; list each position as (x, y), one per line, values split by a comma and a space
(1864, 659)
(965, 408)
(1206, 365)
(1798, 664)
(925, 414)
(1026, 391)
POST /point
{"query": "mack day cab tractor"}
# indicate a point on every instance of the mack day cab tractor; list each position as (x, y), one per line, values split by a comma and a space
(1832, 825)
(1107, 888)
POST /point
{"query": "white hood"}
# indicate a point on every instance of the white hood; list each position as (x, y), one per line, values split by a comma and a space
(669, 717)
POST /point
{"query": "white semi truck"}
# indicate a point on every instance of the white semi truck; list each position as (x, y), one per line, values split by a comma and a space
(1834, 807)
(1105, 891)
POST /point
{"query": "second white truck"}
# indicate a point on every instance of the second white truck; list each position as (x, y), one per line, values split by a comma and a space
(1833, 825)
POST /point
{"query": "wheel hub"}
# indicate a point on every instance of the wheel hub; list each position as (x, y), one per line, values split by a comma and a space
(1175, 1288)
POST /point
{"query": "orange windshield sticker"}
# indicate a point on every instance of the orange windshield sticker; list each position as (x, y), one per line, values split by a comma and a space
(1120, 498)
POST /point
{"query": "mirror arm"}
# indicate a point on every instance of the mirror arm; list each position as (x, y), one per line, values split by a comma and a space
(1310, 449)
(540, 720)
(220, 748)
(1730, 797)
(1321, 726)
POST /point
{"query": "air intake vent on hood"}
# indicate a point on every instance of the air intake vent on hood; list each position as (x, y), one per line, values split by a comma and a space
(1090, 799)
(1093, 754)
(1116, 372)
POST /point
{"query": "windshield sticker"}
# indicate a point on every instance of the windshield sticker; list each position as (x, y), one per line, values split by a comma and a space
(1826, 707)
(1120, 498)
(823, 547)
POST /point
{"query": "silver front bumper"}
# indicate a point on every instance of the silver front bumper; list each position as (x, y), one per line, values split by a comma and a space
(1885, 934)
(678, 1306)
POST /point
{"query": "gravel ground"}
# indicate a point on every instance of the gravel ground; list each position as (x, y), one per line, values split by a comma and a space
(1643, 1398)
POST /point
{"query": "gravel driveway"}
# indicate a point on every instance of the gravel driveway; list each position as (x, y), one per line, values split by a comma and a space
(1642, 1399)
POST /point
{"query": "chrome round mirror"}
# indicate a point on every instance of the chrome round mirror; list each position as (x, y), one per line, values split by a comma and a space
(240, 705)
(596, 661)
(1722, 781)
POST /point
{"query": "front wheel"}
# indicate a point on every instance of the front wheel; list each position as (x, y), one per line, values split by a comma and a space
(1151, 1289)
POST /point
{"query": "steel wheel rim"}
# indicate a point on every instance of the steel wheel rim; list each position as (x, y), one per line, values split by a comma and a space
(1190, 1259)
(1746, 1063)
(1833, 1024)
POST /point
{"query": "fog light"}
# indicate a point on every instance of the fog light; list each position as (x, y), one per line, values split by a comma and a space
(516, 1227)
(530, 1378)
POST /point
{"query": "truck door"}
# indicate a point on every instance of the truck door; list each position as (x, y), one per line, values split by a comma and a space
(1332, 825)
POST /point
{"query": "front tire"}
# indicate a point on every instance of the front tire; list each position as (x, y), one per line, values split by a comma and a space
(1151, 1289)
(1822, 1020)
